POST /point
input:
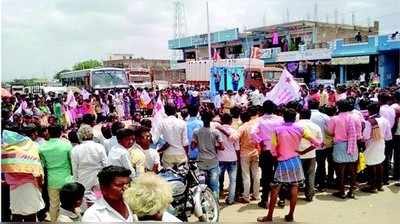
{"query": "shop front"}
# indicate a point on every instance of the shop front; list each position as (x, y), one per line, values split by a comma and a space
(351, 68)
(309, 65)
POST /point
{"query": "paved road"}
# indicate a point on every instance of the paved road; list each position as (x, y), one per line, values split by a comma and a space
(383, 207)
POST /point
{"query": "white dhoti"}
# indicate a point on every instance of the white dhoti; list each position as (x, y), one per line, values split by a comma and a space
(26, 199)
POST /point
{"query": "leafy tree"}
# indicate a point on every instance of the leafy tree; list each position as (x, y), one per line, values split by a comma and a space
(57, 75)
(87, 64)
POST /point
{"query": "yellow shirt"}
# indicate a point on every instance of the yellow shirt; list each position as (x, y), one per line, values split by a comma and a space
(324, 99)
(138, 158)
(227, 102)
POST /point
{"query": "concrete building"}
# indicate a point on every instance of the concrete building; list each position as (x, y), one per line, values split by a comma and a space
(378, 54)
(303, 46)
(298, 35)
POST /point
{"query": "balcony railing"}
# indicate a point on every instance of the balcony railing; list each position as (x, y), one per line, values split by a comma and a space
(353, 40)
(302, 47)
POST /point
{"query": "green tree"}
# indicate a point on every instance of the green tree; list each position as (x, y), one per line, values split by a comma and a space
(57, 75)
(87, 64)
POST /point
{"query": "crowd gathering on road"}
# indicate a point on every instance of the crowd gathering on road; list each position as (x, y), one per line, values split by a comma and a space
(92, 156)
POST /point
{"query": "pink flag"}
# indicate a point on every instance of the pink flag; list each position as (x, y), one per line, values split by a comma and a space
(216, 55)
(255, 52)
(158, 115)
(145, 98)
(158, 108)
(286, 90)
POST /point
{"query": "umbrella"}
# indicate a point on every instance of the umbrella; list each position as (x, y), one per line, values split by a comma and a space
(5, 93)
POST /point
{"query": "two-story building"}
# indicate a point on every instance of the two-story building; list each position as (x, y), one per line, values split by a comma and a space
(303, 46)
(377, 54)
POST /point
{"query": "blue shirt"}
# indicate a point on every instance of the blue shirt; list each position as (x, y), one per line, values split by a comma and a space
(193, 124)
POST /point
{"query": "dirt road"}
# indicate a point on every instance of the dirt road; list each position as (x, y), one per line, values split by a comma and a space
(383, 207)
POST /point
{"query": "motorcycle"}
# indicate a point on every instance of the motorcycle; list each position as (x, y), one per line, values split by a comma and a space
(191, 196)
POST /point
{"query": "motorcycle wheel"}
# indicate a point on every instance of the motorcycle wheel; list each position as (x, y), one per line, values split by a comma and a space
(210, 207)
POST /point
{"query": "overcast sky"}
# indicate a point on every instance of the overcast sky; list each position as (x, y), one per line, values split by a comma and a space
(41, 37)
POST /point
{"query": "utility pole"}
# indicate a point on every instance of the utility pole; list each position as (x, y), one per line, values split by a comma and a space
(316, 12)
(179, 28)
(208, 33)
(335, 14)
(287, 15)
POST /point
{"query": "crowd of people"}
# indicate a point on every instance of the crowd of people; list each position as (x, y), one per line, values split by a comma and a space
(94, 157)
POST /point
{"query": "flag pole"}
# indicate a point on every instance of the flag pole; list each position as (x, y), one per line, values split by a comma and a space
(208, 33)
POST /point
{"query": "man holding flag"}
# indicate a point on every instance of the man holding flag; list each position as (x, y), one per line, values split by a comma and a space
(286, 90)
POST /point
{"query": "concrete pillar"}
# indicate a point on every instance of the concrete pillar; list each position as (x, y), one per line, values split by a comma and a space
(381, 69)
(342, 74)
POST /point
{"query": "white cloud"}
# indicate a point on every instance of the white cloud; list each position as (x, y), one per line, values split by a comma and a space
(44, 36)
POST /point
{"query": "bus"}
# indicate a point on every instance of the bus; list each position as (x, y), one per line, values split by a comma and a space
(96, 78)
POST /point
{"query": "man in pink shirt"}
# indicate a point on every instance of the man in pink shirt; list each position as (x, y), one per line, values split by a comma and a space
(345, 152)
(285, 145)
(262, 134)
(390, 114)
(228, 157)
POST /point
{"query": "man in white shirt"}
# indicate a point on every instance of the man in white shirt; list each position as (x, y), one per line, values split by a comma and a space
(87, 159)
(174, 132)
(218, 100)
(362, 78)
(109, 143)
(119, 155)
(90, 120)
(307, 152)
(321, 120)
(111, 207)
(240, 99)
(152, 158)
(255, 96)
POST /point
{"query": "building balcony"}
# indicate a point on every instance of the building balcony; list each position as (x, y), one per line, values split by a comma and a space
(303, 47)
(354, 40)
(389, 42)
(350, 47)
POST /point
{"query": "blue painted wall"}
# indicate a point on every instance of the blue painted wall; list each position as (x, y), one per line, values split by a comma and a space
(342, 49)
(387, 68)
(386, 43)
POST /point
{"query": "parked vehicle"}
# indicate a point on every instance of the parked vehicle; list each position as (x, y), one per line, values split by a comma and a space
(190, 194)
(96, 78)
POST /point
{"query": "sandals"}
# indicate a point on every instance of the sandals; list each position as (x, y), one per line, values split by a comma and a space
(264, 219)
(289, 218)
(339, 195)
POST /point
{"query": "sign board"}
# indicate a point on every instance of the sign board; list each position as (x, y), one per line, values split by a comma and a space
(325, 82)
(215, 37)
(350, 60)
(270, 52)
(310, 54)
